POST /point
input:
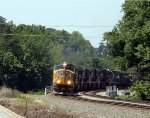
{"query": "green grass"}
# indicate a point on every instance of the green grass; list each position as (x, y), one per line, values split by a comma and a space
(29, 100)
(23, 99)
(125, 97)
(37, 92)
(15, 94)
(1, 95)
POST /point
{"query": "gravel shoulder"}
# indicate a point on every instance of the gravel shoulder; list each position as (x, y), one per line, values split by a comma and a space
(92, 110)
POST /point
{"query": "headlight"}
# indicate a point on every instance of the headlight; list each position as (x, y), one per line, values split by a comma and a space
(69, 82)
(58, 81)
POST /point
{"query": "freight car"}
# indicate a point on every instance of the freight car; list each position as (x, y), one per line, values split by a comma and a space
(68, 79)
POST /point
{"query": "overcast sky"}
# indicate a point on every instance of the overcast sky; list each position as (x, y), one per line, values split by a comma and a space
(66, 13)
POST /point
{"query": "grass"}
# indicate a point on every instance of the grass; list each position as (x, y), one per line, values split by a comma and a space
(27, 105)
(15, 94)
(22, 98)
(1, 95)
(37, 92)
(125, 97)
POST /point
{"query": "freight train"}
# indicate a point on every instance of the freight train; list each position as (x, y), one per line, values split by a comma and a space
(68, 79)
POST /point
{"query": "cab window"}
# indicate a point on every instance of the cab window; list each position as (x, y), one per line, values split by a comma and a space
(57, 67)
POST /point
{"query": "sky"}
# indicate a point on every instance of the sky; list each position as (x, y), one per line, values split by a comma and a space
(70, 15)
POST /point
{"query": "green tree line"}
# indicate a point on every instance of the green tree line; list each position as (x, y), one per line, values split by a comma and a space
(29, 52)
(129, 44)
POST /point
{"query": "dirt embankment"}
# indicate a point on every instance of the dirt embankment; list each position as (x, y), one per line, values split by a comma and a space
(28, 106)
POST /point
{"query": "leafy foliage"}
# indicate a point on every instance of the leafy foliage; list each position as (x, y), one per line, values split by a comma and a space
(27, 56)
(129, 41)
(24, 60)
(142, 90)
(129, 44)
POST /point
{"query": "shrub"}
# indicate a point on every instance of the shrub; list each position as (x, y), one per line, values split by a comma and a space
(142, 89)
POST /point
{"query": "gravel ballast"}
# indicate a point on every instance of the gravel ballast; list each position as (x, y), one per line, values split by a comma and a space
(93, 110)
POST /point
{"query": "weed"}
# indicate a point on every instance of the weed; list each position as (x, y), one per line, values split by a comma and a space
(128, 97)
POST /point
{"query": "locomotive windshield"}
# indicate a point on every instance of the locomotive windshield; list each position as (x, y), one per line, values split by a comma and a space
(65, 66)
(63, 74)
(57, 67)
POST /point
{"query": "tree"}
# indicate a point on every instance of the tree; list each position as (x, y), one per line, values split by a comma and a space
(76, 49)
(129, 41)
(142, 90)
(25, 59)
(28, 52)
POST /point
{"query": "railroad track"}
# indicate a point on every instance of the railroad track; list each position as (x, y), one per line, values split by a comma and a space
(115, 101)
(91, 96)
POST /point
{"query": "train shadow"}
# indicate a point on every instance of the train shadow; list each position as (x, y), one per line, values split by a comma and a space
(68, 94)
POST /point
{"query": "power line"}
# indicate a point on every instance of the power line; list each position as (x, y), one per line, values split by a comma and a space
(80, 26)
(22, 35)
(83, 26)
(36, 35)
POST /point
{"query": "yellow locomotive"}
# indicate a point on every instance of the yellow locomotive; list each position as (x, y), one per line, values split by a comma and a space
(63, 78)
